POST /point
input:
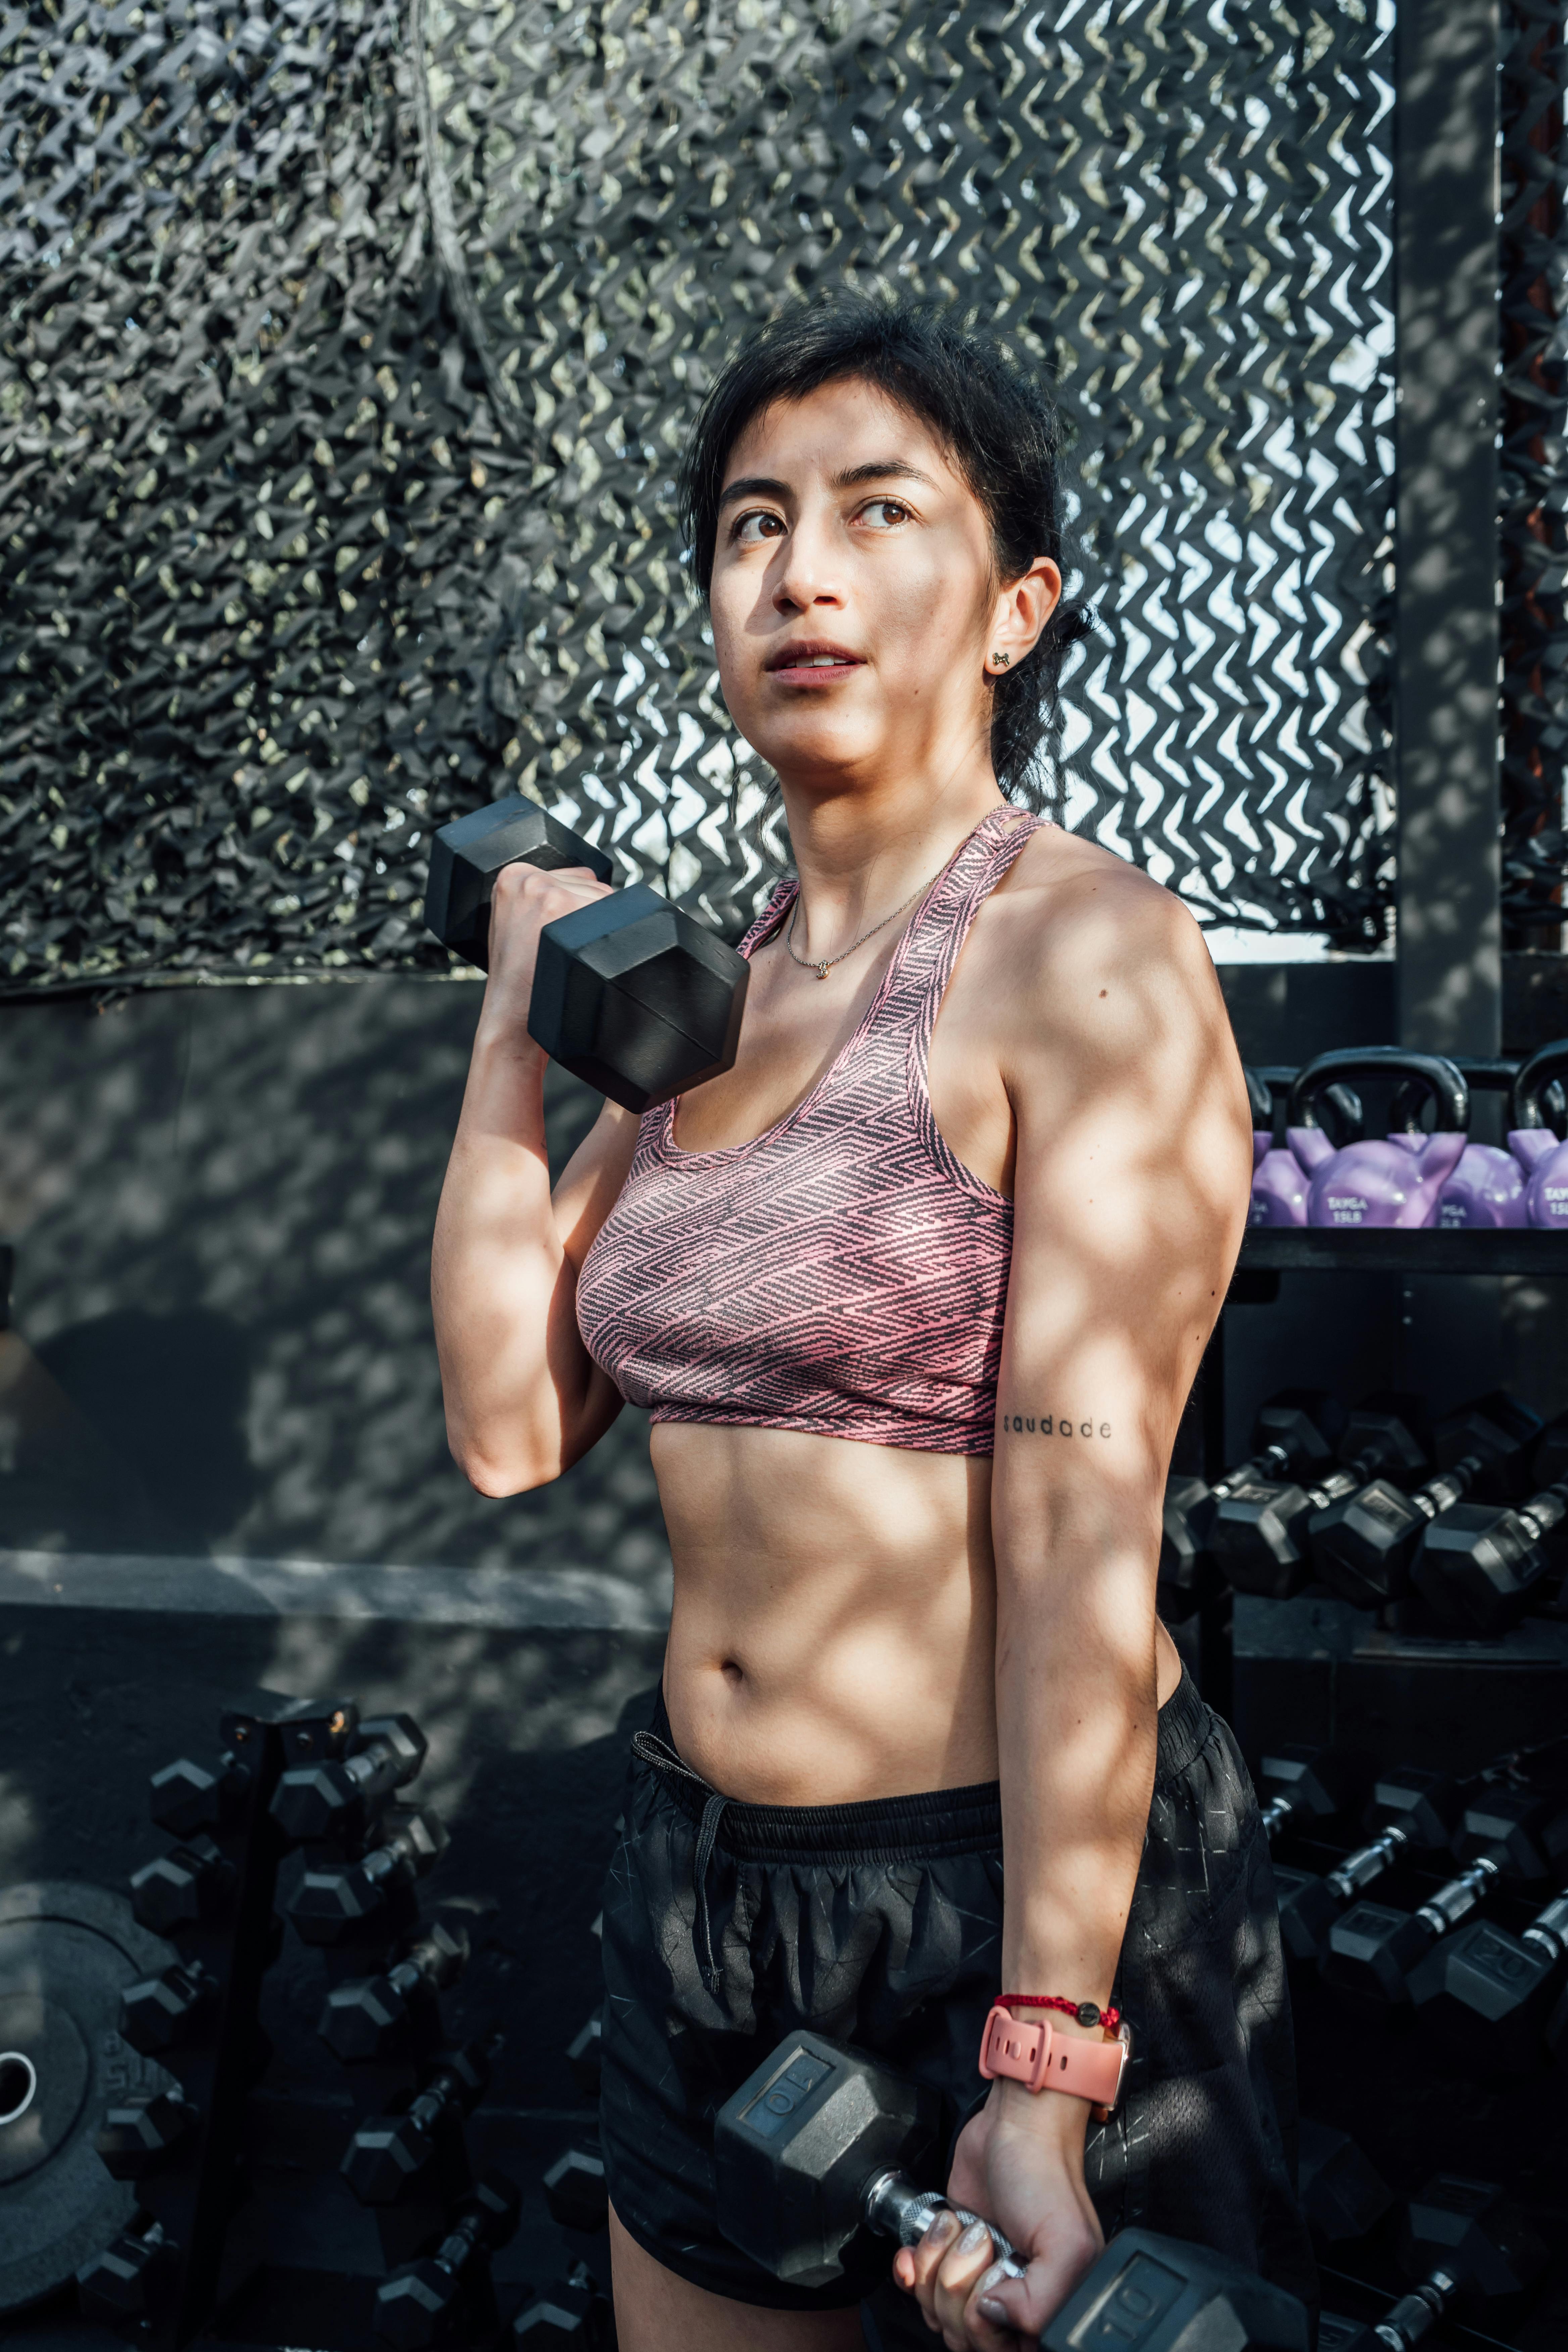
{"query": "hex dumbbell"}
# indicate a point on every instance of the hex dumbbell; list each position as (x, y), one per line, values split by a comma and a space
(1365, 1544)
(1293, 1436)
(1482, 1567)
(370, 2017)
(331, 1904)
(141, 2131)
(185, 1798)
(1341, 2194)
(1411, 1810)
(160, 2012)
(125, 2283)
(576, 2190)
(1461, 2241)
(338, 1797)
(419, 2303)
(1296, 1785)
(814, 2146)
(390, 2154)
(190, 1883)
(572, 2312)
(630, 992)
(1261, 1534)
(1487, 1994)
(1504, 1834)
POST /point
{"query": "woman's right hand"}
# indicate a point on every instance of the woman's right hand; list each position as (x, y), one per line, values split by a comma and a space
(526, 897)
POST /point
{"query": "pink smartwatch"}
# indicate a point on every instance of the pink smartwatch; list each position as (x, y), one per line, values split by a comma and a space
(1033, 2054)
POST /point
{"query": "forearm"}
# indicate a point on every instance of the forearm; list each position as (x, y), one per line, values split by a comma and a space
(502, 1288)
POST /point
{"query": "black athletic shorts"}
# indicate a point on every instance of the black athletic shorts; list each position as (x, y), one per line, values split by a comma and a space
(727, 1926)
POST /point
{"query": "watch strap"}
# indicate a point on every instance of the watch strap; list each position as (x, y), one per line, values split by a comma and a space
(1030, 2051)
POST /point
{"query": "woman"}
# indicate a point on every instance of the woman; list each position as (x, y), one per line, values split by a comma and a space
(915, 1293)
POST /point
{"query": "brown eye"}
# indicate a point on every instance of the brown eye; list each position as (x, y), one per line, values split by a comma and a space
(752, 528)
(883, 514)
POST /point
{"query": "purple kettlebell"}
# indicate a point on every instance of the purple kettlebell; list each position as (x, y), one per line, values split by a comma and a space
(1280, 1181)
(1399, 1181)
(1535, 1144)
(1489, 1187)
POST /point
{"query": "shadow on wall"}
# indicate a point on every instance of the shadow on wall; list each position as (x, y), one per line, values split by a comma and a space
(221, 1202)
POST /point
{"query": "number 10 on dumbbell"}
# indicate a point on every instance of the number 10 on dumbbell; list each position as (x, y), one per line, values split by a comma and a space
(631, 994)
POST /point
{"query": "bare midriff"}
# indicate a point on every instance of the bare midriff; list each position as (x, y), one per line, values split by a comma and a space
(833, 1631)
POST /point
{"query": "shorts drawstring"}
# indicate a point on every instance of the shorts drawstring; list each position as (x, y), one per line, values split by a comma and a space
(649, 1749)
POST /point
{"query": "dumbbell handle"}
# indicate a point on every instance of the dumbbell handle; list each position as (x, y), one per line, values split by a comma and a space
(1459, 1897)
(377, 1765)
(895, 2208)
(1548, 1928)
(1415, 2316)
(1367, 1863)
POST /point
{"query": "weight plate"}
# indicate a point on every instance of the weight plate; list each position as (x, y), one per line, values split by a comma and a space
(67, 1949)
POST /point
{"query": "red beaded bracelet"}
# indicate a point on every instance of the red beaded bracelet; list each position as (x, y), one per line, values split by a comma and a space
(1084, 2011)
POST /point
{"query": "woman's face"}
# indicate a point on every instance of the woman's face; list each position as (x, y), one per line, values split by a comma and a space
(854, 601)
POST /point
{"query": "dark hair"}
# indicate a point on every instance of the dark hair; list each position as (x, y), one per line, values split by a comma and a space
(997, 422)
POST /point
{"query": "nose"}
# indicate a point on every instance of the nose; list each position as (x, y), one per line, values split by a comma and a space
(807, 569)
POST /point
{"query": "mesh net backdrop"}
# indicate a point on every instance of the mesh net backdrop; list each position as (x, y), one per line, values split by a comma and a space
(345, 357)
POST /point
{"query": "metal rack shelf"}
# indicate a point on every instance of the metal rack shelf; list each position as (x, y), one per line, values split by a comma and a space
(1374, 1249)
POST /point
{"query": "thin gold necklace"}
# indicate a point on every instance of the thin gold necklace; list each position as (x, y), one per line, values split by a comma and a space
(822, 970)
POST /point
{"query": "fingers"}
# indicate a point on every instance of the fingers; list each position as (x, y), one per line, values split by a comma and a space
(943, 2271)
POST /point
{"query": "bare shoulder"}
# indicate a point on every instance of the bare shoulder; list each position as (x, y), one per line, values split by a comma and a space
(1097, 955)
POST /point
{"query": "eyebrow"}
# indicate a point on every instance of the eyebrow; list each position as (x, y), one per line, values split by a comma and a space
(876, 469)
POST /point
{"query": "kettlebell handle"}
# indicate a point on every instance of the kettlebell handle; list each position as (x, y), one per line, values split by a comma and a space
(1433, 1073)
(1550, 1062)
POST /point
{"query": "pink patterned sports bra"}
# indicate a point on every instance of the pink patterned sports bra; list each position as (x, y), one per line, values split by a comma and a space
(843, 1274)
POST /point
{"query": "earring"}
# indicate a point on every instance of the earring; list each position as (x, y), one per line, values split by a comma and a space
(1003, 661)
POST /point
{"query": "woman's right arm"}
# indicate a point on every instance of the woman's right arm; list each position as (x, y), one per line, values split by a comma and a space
(524, 1399)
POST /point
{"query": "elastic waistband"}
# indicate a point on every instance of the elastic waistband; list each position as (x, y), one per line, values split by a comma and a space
(881, 1828)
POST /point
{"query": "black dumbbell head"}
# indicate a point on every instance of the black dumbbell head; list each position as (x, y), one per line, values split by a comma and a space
(413, 2308)
(1308, 1423)
(1306, 1777)
(191, 1883)
(576, 2191)
(1394, 1429)
(1517, 1829)
(583, 2057)
(163, 2011)
(795, 2145)
(1425, 1805)
(1308, 1909)
(385, 2157)
(1257, 1538)
(1371, 1951)
(1500, 1433)
(1485, 1996)
(1150, 2294)
(184, 1797)
(467, 855)
(569, 2311)
(1342, 2195)
(365, 2018)
(1468, 2229)
(636, 998)
(1479, 1567)
(138, 2133)
(123, 2283)
(1363, 1544)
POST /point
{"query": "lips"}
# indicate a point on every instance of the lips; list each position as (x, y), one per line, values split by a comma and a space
(812, 661)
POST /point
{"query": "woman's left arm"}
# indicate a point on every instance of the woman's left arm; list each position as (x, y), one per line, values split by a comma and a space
(1132, 1170)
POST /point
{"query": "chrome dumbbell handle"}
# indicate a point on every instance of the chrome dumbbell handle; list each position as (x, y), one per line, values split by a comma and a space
(897, 2209)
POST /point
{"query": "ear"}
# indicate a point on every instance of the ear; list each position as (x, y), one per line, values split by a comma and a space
(1020, 613)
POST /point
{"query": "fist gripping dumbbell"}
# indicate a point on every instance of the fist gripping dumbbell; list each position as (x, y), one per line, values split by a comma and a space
(417, 2305)
(369, 2016)
(329, 1904)
(630, 993)
(338, 1798)
(811, 2148)
(388, 2156)
(1459, 2241)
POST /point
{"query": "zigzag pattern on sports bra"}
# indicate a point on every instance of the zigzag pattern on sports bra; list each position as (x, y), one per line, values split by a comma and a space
(843, 1273)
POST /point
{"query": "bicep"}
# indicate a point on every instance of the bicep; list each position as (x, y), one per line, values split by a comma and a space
(585, 1192)
(1133, 1162)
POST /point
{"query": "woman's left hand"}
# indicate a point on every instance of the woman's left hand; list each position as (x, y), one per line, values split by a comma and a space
(1019, 2162)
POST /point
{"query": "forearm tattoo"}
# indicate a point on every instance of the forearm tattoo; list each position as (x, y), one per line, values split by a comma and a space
(1049, 1424)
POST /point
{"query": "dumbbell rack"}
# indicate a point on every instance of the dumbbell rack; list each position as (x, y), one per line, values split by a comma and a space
(1315, 1668)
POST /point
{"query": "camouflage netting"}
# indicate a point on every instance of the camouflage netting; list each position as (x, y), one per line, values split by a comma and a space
(346, 359)
(1534, 474)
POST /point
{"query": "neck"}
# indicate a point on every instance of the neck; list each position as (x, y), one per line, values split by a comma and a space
(859, 854)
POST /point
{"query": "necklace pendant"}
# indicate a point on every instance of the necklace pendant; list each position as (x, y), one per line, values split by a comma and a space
(822, 971)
